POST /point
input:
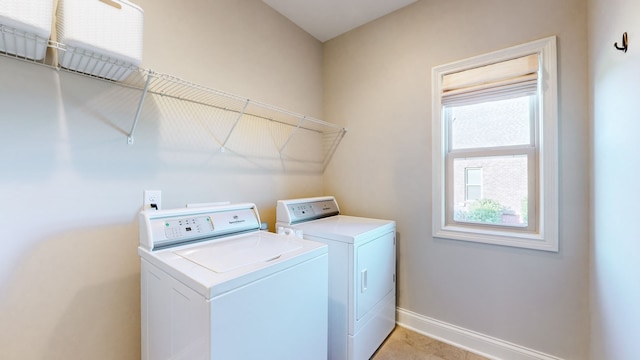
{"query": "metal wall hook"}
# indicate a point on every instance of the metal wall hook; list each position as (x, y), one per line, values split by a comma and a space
(624, 43)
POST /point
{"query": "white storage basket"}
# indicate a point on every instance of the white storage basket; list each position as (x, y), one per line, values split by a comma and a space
(25, 27)
(102, 37)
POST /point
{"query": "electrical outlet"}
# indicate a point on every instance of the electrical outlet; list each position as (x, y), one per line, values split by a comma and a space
(152, 200)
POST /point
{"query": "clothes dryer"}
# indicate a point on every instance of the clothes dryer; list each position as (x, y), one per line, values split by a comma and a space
(214, 286)
(362, 280)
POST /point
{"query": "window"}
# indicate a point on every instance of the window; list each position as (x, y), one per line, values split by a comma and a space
(494, 135)
(495, 148)
(472, 184)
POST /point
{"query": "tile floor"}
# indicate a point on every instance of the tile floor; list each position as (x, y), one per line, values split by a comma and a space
(404, 344)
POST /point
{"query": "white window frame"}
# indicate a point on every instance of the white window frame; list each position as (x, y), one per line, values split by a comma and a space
(544, 234)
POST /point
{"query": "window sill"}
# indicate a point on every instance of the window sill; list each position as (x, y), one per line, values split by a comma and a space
(532, 241)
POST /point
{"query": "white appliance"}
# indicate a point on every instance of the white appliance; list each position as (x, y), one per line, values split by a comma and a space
(214, 286)
(362, 263)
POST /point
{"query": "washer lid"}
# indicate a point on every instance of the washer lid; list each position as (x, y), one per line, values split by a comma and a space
(232, 265)
(225, 256)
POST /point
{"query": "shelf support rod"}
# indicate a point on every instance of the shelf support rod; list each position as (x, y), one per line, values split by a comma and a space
(333, 148)
(139, 111)
(302, 119)
(244, 108)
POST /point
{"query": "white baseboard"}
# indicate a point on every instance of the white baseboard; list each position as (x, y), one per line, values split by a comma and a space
(480, 344)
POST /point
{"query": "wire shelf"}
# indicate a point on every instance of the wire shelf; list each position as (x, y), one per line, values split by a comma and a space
(288, 125)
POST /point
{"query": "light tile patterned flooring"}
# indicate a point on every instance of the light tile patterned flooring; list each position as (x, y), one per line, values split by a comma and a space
(404, 344)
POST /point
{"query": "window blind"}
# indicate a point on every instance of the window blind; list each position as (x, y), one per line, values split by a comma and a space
(519, 75)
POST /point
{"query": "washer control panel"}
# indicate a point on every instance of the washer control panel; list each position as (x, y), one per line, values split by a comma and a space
(177, 228)
(164, 228)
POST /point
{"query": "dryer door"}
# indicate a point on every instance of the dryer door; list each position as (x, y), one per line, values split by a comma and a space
(375, 269)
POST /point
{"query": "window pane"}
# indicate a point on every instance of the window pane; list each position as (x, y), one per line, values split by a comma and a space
(474, 183)
(504, 191)
(474, 176)
(490, 124)
(474, 192)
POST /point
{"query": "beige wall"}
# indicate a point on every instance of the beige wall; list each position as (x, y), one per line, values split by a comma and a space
(615, 246)
(71, 186)
(242, 47)
(377, 82)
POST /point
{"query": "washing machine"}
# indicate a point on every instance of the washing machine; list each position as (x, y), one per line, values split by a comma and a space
(362, 264)
(215, 286)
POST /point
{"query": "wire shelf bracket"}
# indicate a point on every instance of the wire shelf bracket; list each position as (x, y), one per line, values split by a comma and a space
(235, 123)
(139, 110)
(291, 135)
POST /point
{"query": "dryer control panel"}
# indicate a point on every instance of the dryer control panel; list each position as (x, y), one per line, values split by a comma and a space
(300, 210)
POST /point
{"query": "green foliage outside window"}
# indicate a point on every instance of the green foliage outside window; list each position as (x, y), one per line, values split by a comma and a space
(484, 211)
